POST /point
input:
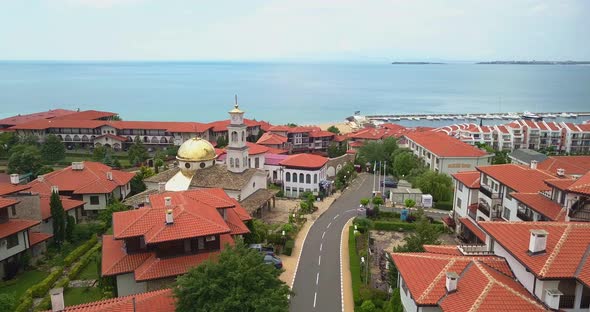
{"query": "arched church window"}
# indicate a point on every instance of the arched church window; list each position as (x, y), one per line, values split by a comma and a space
(234, 136)
(243, 135)
(308, 178)
(288, 177)
(237, 163)
(301, 178)
(294, 177)
(231, 162)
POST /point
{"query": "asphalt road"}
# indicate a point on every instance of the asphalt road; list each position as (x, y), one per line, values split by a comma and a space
(317, 281)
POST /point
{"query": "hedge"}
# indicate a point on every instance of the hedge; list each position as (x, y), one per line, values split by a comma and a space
(355, 267)
(401, 226)
(289, 247)
(26, 302)
(78, 252)
(444, 205)
(39, 290)
(45, 304)
(77, 268)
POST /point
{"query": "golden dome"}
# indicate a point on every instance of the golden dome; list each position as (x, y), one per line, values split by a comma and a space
(196, 149)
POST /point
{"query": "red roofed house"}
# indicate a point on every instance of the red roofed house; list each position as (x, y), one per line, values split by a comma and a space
(176, 231)
(302, 173)
(19, 119)
(91, 182)
(302, 139)
(575, 166)
(443, 153)
(154, 301)
(273, 140)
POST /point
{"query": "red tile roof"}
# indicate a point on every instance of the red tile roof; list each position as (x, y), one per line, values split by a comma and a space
(272, 150)
(168, 126)
(340, 138)
(356, 144)
(67, 203)
(279, 128)
(7, 188)
(38, 237)
(391, 126)
(582, 185)
(256, 149)
(221, 125)
(91, 180)
(443, 249)
(542, 205)
(112, 136)
(568, 244)
(424, 273)
(14, 226)
(376, 133)
(269, 138)
(154, 268)
(307, 161)
(7, 202)
(561, 184)
(321, 134)
(473, 228)
(115, 260)
(469, 178)
(19, 119)
(573, 165)
(155, 301)
(443, 145)
(518, 177)
(86, 115)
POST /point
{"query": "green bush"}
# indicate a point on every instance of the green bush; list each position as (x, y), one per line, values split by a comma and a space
(65, 282)
(444, 205)
(26, 303)
(78, 252)
(389, 215)
(375, 295)
(289, 247)
(79, 266)
(355, 267)
(44, 305)
(368, 306)
(85, 231)
(45, 285)
(394, 226)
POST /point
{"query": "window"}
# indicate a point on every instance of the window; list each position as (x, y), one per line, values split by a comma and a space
(12, 241)
(231, 162)
(202, 165)
(460, 186)
(274, 175)
(506, 214)
(187, 165)
(237, 163)
(315, 178)
(13, 208)
(94, 200)
(288, 177)
(294, 177)
(256, 162)
(84, 213)
(308, 178)
(508, 191)
(458, 202)
(301, 178)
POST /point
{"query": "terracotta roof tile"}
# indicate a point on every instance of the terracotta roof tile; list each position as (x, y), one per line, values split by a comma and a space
(154, 301)
(443, 145)
(469, 178)
(67, 203)
(19, 119)
(38, 237)
(582, 185)
(7, 202)
(14, 226)
(308, 161)
(155, 268)
(115, 260)
(7, 188)
(256, 149)
(221, 125)
(573, 165)
(321, 134)
(517, 177)
(86, 115)
(567, 243)
(443, 249)
(542, 205)
(113, 137)
(473, 228)
(561, 184)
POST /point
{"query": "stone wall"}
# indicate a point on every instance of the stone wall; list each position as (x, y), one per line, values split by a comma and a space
(335, 164)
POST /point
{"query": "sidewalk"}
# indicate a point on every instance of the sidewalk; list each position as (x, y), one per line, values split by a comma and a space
(346, 282)
(290, 262)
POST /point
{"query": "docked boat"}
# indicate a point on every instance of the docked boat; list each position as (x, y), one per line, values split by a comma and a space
(529, 115)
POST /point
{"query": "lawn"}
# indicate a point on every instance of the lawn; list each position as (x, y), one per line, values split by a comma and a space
(90, 271)
(22, 282)
(79, 295)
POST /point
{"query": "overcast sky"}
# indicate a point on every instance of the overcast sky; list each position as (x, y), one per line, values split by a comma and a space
(294, 30)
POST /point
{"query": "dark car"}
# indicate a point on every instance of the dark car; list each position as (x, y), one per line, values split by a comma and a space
(389, 182)
(270, 258)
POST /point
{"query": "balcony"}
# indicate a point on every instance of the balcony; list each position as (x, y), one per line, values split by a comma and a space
(489, 192)
(473, 249)
(484, 209)
(567, 302)
(523, 216)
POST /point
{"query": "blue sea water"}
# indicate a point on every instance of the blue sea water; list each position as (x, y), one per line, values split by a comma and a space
(280, 93)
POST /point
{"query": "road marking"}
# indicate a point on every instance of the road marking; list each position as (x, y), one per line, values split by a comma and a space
(320, 260)
(314, 298)
(299, 258)
(317, 278)
(336, 216)
(329, 225)
(324, 234)
(322, 244)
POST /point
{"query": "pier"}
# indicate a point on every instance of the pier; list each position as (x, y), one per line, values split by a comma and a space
(474, 116)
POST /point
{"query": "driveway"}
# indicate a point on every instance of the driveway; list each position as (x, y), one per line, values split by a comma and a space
(318, 277)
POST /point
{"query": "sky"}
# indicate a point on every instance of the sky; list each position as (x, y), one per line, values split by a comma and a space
(294, 30)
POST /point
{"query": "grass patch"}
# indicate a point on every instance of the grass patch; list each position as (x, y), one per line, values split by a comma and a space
(355, 266)
(90, 271)
(79, 295)
(22, 282)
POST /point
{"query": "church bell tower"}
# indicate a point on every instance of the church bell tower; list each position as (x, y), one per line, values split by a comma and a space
(237, 150)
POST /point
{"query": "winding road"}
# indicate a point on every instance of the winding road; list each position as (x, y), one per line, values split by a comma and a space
(317, 285)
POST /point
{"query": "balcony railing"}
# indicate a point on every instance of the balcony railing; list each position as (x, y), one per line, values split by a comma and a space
(523, 216)
(468, 249)
(585, 304)
(486, 190)
(484, 209)
(567, 302)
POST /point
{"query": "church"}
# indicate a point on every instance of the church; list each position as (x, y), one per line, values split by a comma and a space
(198, 168)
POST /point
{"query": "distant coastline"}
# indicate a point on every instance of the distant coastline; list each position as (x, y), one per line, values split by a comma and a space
(416, 63)
(535, 63)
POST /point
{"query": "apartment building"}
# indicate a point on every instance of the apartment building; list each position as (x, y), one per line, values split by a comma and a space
(443, 153)
(302, 173)
(576, 138)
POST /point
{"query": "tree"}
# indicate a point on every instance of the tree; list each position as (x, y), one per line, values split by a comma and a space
(157, 164)
(439, 185)
(238, 281)
(70, 225)
(335, 150)
(99, 153)
(25, 159)
(7, 302)
(44, 170)
(222, 142)
(426, 234)
(403, 161)
(137, 185)
(292, 125)
(377, 201)
(409, 203)
(52, 149)
(29, 139)
(58, 218)
(334, 129)
(106, 215)
(116, 118)
(365, 201)
(368, 306)
(137, 152)
(258, 231)
(389, 146)
(345, 175)
(7, 141)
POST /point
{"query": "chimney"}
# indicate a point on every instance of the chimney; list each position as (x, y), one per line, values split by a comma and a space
(161, 187)
(78, 165)
(533, 164)
(57, 299)
(538, 242)
(169, 217)
(552, 298)
(168, 201)
(560, 172)
(451, 284)
(41, 178)
(54, 189)
(15, 178)
(109, 176)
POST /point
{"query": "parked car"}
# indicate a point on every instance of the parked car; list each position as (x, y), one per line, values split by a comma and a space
(261, 248)
(271, 258)
(389, 182)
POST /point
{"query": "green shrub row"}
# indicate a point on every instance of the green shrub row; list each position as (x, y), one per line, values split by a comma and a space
(401, 226)
(289, 247)
(78, 252)
(26, 302)
(39, 290)
(355, 267)
(44, 305)
(79, 266)
(444, 205)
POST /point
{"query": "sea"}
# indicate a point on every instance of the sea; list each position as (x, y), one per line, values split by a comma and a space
(309, 93)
